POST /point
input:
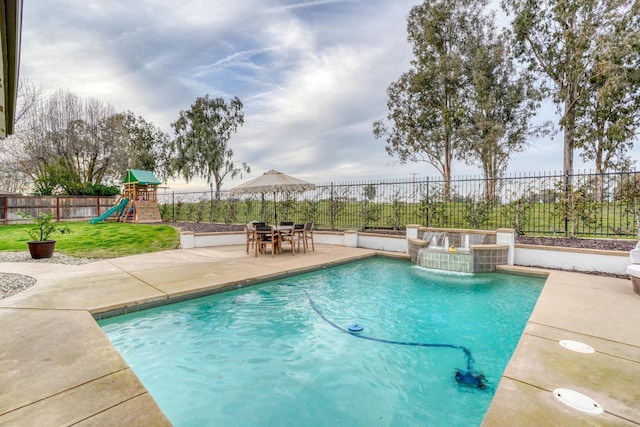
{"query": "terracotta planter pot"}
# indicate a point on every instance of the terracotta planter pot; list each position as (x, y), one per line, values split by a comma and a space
(41, 249)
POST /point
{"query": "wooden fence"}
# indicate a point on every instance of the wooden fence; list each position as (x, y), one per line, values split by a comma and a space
(63, 208)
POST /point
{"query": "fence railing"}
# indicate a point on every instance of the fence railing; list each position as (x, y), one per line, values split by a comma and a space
(579, 205)
(583, 204)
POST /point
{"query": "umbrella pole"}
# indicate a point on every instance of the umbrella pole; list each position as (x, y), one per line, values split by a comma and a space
(275, 209)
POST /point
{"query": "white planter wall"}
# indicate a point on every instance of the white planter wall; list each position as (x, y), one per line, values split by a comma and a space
(573, 259)
(383, 243)
(584, 260)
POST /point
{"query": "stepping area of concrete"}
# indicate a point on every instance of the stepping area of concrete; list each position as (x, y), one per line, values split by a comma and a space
(58, 368)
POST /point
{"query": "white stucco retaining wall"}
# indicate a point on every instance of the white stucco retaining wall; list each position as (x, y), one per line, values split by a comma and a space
(328, 238)
(584, 260)
(572, 259)
(383, 243)
(189, 240)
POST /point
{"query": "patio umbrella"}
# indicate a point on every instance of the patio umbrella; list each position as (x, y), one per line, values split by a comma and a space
(272, 182)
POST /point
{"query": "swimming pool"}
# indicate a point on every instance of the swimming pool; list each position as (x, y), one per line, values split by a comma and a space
(276, 354)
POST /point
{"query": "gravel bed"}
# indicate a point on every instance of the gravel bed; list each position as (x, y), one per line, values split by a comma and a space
(11, 284)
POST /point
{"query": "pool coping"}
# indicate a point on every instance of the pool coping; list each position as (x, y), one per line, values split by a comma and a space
(50, 328)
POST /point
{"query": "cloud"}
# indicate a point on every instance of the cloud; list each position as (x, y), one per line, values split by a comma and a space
(305, 4)
(312, 74)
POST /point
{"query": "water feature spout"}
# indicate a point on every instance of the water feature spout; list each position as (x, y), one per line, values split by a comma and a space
(465, 240)
(436, 239)
(461, 251)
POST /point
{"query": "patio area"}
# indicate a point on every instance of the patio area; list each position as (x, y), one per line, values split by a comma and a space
(59, 368)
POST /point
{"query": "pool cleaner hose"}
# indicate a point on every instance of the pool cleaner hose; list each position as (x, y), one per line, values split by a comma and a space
(469, 377)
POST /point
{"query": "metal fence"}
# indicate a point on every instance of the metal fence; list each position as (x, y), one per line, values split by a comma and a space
(579, 205)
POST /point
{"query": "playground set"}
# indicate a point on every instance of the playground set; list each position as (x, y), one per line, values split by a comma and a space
(138, 202)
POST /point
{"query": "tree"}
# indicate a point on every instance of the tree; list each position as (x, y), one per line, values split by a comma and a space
(562, 40)
(501, 102)
(28, 96)
(427, 103)
(148, 145)
(609, 115)
(11, 177)
(79, 146)
(71, 139)
(202, 140)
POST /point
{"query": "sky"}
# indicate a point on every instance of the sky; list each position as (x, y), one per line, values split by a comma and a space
(312, 76)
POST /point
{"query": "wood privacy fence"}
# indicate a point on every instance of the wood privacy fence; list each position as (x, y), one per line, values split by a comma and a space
(63, 208)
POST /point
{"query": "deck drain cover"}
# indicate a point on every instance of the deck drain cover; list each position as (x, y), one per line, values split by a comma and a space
(578, 401)
(577, 346)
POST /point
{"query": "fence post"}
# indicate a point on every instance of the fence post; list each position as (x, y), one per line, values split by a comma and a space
(427, 205)
(331, 209)
(211, 204)
(567, 201)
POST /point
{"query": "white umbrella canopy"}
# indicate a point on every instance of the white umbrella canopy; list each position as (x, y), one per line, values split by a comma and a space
(272, 182)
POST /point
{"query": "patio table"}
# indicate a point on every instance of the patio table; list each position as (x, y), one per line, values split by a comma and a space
(278, 230)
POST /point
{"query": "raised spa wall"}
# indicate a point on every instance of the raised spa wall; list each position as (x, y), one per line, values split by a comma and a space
(497, 248)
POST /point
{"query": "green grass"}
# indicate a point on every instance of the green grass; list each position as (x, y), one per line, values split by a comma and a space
(601, 220)
(103, 240)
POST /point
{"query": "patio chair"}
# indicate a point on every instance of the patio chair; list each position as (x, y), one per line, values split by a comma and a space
(286, 223)
(251, 238)
(264, 236)
(308, 235)
(298, 235)
(287, 236)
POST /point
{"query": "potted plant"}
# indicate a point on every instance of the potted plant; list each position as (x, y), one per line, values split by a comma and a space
(41, 246)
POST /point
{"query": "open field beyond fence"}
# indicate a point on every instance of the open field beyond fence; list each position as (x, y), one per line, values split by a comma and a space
(580, 205)
(584, 205)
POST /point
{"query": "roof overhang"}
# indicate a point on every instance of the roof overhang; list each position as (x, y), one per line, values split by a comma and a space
(11, 38)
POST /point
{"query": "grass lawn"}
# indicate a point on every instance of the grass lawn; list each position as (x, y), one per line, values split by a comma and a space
(102, 240)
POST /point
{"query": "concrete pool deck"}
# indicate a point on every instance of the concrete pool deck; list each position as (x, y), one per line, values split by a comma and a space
(58, 368)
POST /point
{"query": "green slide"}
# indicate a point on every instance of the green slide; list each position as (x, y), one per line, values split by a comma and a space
(117, 207)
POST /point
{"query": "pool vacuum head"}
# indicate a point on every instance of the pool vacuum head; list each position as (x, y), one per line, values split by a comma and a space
(470, 379)
(355, 328)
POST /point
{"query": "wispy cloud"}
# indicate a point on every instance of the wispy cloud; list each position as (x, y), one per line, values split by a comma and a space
(242, 58)
(312, 74)
(304, 4)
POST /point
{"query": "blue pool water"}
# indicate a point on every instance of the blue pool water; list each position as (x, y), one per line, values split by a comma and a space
(275, 355)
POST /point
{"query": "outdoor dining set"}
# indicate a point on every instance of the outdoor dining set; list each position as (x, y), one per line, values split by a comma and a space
(287, 235)
(261, 236)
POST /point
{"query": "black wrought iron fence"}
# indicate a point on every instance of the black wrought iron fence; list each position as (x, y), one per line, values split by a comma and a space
(583, 204)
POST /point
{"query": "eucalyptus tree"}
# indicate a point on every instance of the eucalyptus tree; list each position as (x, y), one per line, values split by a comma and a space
(464, 97)
(501, 103)
(202, 140)
(608, 116)
(563, 40)
(426, 104)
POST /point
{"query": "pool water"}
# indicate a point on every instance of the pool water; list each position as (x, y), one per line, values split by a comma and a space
(277, 354)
